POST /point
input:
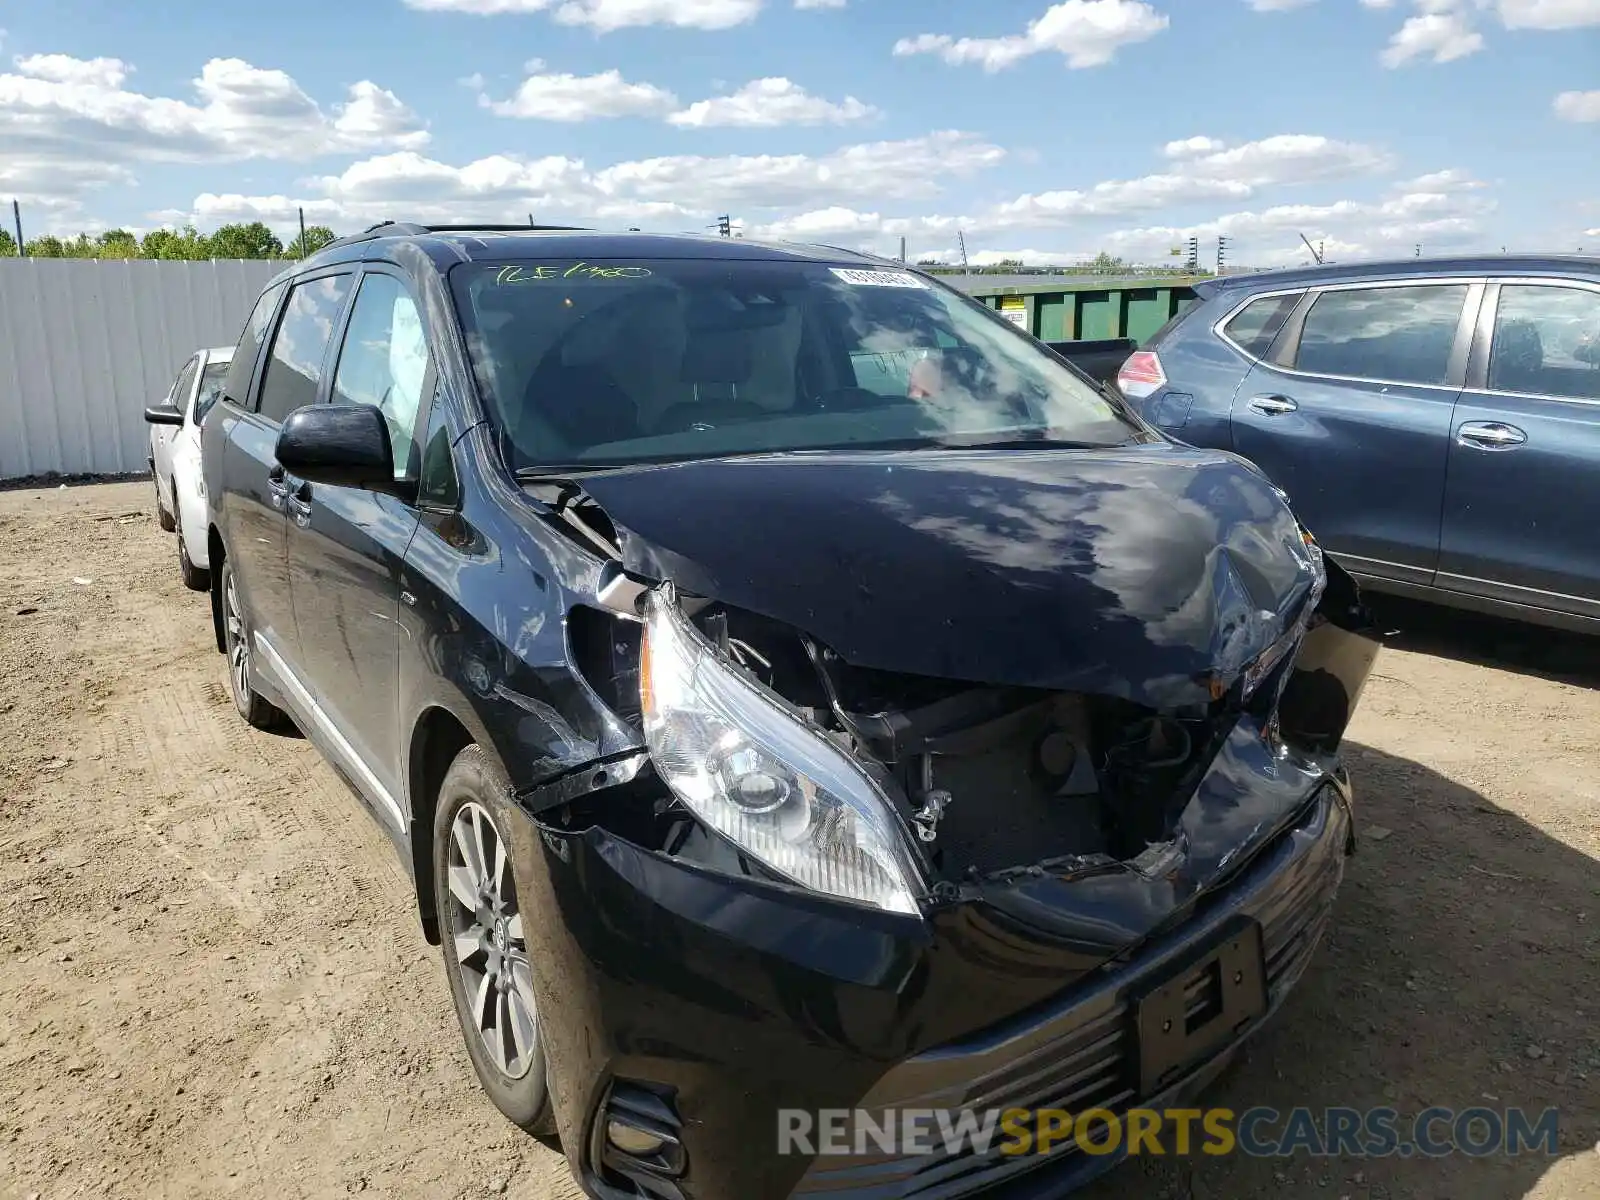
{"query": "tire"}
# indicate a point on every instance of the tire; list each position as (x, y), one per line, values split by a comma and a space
(196, 579)
(503, 1042)
(252, 706)
(163, 518)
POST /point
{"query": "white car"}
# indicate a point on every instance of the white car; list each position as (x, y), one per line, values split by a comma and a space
(175, 458)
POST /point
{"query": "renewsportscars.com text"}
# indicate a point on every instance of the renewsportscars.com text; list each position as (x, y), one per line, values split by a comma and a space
(1258, 1132)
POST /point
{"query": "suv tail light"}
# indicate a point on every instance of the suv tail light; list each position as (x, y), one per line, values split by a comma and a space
(1140, 375)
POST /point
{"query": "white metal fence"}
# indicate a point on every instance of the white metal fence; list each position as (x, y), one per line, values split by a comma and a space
(86, 344)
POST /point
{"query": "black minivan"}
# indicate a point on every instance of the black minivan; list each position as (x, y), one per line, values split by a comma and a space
(793, 688)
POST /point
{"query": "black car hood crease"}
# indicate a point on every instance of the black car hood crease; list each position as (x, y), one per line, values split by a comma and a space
(1146, 572)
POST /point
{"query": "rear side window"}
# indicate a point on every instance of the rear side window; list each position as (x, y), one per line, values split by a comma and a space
(1395, 334)
(294, 369)
(1255, 325)
(1546, 342)
(244, 355)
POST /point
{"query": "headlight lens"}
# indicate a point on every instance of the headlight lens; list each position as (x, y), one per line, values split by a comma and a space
(752, 771)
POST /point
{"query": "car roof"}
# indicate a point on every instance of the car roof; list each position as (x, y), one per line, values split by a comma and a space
(1576, 265)
(447, 245)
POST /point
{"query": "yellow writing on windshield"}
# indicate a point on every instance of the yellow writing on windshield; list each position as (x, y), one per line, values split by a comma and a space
(529, 273)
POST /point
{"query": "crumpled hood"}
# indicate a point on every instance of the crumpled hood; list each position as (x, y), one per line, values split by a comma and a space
(1145, 572)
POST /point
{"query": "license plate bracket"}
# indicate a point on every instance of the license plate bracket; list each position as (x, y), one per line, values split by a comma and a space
(1200, 1006)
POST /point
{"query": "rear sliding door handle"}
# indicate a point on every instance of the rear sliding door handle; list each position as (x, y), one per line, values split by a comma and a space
(1273, 406)
(1490, 435)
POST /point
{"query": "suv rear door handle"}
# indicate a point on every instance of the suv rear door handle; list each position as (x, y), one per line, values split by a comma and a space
(1273, 406)
(1490, 435)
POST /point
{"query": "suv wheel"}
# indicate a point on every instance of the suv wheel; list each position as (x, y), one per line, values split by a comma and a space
(196, 579)
(252, 706)
(484, 944)
(163, 518)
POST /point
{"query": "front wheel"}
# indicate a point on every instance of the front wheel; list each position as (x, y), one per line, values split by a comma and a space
(252, 706)
(484, 942)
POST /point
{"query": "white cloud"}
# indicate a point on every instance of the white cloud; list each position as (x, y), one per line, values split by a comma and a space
(1184, 147)
(60, 107)
(1549, 14)
(820, 3)
(769, 102)
(679, 191)
(1087, 33)
(1205, 170)
(1445, 30)
(604, 16)
(1441, 36)
(582, 98)
(1591, 233)
(1276, 5)
(70, 125)
(103, 73)
(1578, 106)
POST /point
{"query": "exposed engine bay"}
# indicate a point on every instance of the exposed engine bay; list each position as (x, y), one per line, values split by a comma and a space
(989, 780)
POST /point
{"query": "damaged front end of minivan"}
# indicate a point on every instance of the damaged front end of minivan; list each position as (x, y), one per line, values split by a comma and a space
(827, 881)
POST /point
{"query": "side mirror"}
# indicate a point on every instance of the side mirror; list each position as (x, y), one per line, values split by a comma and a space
(345, 445)
(163, 414)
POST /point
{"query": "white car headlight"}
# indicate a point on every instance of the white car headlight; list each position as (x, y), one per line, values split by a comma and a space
(748, 767)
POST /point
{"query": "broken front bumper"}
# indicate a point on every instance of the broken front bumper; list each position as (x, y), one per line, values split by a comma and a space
(704, 1004)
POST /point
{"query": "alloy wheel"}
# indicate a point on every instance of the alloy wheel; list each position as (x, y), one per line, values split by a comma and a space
(238, 643)
(490, 950)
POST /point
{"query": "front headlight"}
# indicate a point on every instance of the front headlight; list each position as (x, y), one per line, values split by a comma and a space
(751, 770)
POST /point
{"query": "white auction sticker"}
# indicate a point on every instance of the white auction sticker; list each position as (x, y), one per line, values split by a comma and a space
(901, 279)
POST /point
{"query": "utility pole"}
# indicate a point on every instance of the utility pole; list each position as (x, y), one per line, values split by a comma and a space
(1315, 253)
(302, 233)
(16, 215)
(1419, 249)
(1222, 253)
(961, 239)
(902, 249)
(1192, 265)
(725, 225)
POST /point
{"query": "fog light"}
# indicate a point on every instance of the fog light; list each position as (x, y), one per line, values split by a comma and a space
(640, 1143)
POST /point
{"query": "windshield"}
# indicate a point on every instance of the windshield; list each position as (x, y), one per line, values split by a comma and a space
(617, 362)
(211, 381)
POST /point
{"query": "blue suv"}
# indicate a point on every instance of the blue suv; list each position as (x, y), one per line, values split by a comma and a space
(1436, 423)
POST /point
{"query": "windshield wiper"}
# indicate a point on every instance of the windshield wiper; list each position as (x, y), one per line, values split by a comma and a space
(555, 472)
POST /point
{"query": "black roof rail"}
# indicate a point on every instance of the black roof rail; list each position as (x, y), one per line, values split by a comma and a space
(410, 229)
(487, 228)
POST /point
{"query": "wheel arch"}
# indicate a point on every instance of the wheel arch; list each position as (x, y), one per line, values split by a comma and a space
(436, 738)
(216, 554)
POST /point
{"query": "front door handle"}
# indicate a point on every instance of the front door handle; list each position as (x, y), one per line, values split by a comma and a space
(277, 486)
(1490, 435)
(300, 503)
(1273, 406)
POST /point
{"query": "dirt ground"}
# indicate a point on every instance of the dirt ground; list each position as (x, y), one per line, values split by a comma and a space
(212, 982)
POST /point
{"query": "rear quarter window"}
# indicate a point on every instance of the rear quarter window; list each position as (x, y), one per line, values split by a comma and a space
(1254, 327)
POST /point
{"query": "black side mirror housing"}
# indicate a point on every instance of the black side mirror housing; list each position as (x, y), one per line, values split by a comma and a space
(344, 445)
(163, 414)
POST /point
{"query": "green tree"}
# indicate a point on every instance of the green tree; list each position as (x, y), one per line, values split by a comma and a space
(254, 240)
(8, 244)
(117, 243)
(46, 247)
(80, 247)
(316, 237)
(1105, 262)
(169, 244)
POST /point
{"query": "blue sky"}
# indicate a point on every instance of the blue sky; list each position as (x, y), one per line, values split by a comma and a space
(1051, 130)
